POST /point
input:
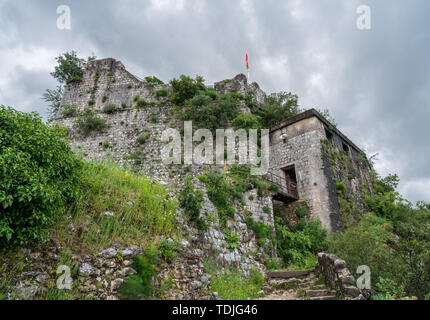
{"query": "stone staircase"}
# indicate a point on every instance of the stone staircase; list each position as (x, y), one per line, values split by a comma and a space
(295, 285)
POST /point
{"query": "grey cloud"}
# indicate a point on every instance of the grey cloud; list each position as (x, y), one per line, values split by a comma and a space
(376, 83)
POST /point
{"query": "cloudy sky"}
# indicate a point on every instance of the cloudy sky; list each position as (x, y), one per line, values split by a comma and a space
(376, 83)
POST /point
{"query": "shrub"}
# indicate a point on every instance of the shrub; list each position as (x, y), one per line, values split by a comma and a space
(139, 285)
(191, 200)
(143, 139)
(153, 80)
(186, 88)
(262, 231)
(298, 246)
(274, 188)
(161, 93)
(219, 192)
(69, 111)
(246, 121)
(88, 123)
(91, 103)
(39, 176)
(232, 239)
(301, 212)
(110, 108)
(277, 108)
(124, 105)
(340, 187)
(210, 114)
(168, 250)
(104, 99)
(154, 119)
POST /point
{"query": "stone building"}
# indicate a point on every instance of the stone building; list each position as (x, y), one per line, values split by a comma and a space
(306, 172)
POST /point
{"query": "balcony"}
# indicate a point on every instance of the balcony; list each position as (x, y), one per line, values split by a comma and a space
(287, 188)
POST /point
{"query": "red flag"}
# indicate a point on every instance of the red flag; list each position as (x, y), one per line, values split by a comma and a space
(247, 65)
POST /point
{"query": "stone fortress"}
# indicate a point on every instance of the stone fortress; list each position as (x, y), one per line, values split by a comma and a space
(312, 162)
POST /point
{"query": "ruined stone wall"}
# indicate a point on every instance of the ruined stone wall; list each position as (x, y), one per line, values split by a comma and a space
(106, 82)
(338, 277)
(119, 142)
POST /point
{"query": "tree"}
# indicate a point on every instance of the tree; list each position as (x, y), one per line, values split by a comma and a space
(277, 107)
(70, 68)
(53, 97)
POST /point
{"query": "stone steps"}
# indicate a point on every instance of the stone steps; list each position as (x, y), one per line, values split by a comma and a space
(286, 274)
(323, 298)
(316, 293)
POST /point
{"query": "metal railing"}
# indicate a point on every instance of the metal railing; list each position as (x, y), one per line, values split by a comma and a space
(286, 187)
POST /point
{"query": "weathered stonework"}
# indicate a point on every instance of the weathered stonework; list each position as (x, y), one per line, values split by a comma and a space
(338, 277)
(295, 143)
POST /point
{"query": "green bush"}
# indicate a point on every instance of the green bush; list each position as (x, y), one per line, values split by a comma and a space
(39, 176)
(274, 188)
(219, 192)
(154, 119)
(104, 99)
(278, 107)
(340, 187)
(143, 139)
(69, 111)
(186, 88)
(298, 246)
(161, 93)
(153, 80)
(91, 103)
(232, 239)
(168, 250)
(213, 114)
(88, 123)
(191, 200)
(262, 231)
(139, 285)
(246, 121)
(110, 108)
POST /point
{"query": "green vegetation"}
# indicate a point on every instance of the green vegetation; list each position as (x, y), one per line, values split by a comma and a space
(143, 139)
(246, 121)
(186, 88)
(298, 245)
(278, 107)
(88, 122)
(219, 191)
(168, 250)
(212, 114)
(142, 210)
(161, 93)
(232, 239)
(39, 176)
(153, 80)
(262, 231)
(191, 201)
(139, 285)
(70, 111)
(140, 102)
(231, 284)
(110, 108)
(69, 70)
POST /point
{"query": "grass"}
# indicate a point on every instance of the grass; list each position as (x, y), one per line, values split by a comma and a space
(231, 284)
(142, 210)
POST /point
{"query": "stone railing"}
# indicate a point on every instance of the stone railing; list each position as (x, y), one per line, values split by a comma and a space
(338, 277)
